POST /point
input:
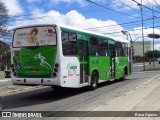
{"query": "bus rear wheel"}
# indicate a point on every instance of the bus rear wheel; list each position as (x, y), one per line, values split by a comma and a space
(94, 81)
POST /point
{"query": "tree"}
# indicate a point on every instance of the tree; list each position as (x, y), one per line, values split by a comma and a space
(151, 54)
(4, 32)
(4, 19)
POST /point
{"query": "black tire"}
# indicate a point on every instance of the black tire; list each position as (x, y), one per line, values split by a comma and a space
(124, 76)
(94, 81)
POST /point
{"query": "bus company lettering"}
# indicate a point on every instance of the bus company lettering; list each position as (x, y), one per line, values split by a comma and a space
(71, 67)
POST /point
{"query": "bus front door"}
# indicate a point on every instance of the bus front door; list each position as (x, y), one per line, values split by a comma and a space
(112, 60)
(83, 57)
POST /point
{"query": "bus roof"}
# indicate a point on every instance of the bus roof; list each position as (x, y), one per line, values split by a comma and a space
(80, 30)
(99, 34)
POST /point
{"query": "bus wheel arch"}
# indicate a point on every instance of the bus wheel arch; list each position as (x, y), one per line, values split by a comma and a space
(125, 73)
(126, 70)
(94, 80)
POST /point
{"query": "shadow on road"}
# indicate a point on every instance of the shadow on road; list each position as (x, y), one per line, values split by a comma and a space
(44, 95)
(48, 95)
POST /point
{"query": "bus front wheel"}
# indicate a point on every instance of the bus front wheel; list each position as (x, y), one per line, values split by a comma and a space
(94, 81)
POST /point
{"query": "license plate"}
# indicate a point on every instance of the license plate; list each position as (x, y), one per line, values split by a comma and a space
(33, 71)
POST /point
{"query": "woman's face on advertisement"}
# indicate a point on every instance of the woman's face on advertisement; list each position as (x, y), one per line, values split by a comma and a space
(34, 33)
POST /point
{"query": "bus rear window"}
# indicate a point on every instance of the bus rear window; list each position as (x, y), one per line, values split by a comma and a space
(34, 36)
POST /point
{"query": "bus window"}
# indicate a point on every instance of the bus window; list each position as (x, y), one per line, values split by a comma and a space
(125, 48)
(119, 49)
(93, 46)
(102, 47)
(34, 36)
(69, 44)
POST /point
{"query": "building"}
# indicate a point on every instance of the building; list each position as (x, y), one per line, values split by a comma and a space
(138, 49)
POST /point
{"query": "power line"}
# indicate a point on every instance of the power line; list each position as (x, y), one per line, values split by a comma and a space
(145, 6)
(128, 23)
(157, 4)
(122, 23)
(122, 3)
(76, 8)
(112, 9)
(132, 30)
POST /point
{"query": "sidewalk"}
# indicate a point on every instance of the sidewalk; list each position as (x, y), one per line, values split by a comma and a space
(145, 97)
(7, 88)
(5, 79)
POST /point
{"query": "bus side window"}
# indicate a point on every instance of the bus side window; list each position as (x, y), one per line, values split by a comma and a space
(69, 44)
(119, 49)
(93, 46)
(102, 47)
(125, 48)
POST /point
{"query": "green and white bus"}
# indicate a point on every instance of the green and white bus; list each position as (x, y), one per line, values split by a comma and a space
(62, 56)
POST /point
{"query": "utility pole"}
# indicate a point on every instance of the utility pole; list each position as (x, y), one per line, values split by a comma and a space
(140, 5)
(153, 34)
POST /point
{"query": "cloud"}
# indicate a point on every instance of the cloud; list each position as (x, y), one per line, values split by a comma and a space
(56, 2)
(129, 4)
(13, 6)
(30, 1)
(136, 33)
(75, 19)
(80, 2)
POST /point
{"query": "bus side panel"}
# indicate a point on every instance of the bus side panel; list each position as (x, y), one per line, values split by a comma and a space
(93, 64)
(120, 63)
(104, 68)
(70, 71)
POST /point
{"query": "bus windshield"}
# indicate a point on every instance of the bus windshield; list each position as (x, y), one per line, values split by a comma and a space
(34, 36)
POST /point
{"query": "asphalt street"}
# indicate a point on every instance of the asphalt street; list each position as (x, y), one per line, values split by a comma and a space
(47, 99)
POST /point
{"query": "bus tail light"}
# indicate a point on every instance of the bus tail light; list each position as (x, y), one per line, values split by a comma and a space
(55, 70)
(12, 66)
(13, 70)
(56, 65)
(16, 53)
(54, 74)
(15, 74)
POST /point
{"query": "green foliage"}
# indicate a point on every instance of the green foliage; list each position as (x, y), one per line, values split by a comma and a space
(1, 74)
(151, 54)
(5, 55)
(4, 19)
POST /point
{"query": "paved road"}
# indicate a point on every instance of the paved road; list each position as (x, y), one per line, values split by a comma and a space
(46, 99)
(139, 66)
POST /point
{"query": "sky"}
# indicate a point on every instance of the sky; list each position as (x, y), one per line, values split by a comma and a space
(108, 17)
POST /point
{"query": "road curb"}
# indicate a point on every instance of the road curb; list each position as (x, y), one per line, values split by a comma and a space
(17, 89)
(6, 79)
